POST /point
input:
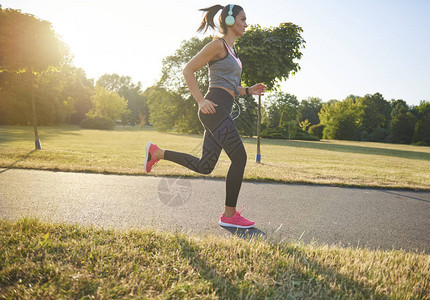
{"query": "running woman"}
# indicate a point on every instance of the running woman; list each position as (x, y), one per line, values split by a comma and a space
(225, 69)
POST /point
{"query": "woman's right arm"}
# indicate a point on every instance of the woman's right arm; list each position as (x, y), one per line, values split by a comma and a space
(210, 52)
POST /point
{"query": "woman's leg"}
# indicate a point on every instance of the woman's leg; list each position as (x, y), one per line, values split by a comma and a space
(227, 136)
(223, 136)
(205, 164)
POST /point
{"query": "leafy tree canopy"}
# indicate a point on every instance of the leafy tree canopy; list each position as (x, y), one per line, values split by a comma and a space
(123, 85)
(282, 109)
(107, 105)
(309, 109)
(402, 123)
(341, 119)
(376, 112)
(28, 43)
(268, 54)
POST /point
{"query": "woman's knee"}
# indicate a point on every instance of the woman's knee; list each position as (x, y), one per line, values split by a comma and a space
(206, 169)
(240, 157)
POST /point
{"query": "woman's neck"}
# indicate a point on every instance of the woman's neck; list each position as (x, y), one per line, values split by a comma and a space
(230, 39)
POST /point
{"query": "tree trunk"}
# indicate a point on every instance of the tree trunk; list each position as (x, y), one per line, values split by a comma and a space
(36, 133)
(259, 130)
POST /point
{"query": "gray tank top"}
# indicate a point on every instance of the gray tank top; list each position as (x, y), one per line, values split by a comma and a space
(226, 72)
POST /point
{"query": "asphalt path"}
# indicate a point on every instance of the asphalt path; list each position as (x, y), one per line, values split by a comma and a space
(376, 219)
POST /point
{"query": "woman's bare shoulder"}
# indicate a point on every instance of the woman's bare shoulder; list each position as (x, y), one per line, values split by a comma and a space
(216, 49)
(215, 45)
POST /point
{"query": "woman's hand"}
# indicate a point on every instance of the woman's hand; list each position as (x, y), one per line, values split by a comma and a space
(258, 89)
(207, 106)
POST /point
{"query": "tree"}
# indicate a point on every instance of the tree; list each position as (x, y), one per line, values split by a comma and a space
(282, 114)
(162, 107)
(124, 86)
(309, 109)
(376, 112)
(12, 87)
(61, 97)
(402, 123)
(107, 105)
(341, 119)
(29, 46)
(76, 93)
(46, 94)
(422, 127)
(282, 109)
(268, 56)
(18, 91)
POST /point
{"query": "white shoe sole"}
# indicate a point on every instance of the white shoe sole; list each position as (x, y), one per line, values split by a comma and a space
(147, 154)
(235, 226)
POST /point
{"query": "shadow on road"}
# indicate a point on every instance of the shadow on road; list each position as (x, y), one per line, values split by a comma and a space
(249, 233)
(406, 196)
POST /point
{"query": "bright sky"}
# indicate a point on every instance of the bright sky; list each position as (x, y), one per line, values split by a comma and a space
(352, 47)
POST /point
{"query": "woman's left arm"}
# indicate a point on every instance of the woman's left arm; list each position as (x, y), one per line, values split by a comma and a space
(257, 89)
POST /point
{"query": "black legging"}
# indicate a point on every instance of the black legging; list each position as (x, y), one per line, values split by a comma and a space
(220, 133)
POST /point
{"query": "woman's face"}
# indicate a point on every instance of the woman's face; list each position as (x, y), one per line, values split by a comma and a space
(240, 25)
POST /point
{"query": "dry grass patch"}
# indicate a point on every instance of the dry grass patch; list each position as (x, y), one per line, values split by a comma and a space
(40, 260)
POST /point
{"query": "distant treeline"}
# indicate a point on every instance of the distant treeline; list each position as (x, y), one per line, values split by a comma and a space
(69, 97)
(367, 118)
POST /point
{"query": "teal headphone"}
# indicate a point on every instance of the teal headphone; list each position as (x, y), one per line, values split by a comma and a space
(230, 20)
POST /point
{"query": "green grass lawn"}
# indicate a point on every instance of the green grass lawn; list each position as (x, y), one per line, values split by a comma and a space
(121, 151)
(46, 261)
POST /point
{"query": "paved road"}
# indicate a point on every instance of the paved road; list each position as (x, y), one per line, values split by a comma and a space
(383, 219)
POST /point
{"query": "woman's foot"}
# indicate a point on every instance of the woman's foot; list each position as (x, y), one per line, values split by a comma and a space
(150, 157)
(236, 221)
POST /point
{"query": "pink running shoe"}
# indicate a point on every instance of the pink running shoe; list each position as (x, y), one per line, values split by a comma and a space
(236, 221)
(150, 160)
